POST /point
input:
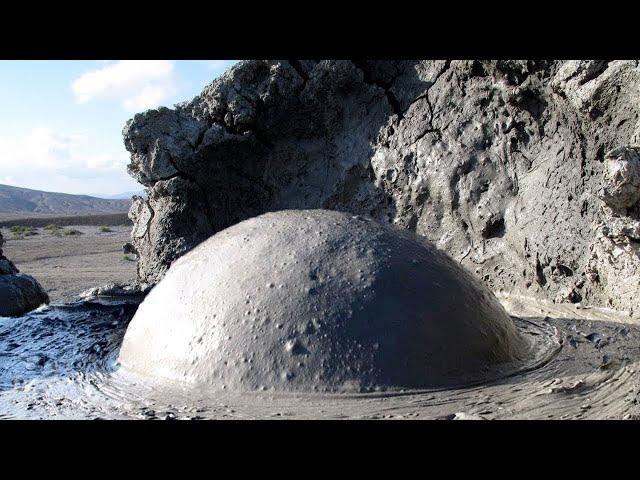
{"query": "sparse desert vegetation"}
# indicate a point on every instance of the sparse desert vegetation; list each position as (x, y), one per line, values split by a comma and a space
(53, 229)
(7, 221)
(21, 231)
(68, 264)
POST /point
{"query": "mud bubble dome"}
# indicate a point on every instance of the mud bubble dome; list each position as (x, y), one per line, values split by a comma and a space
(319, 301)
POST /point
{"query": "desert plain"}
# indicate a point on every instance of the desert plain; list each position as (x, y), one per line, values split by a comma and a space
(68, 264)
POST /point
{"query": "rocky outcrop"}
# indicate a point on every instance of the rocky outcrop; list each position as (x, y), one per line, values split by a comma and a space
(615, 252)
(500, 163)
(6, 266)
(19, 293)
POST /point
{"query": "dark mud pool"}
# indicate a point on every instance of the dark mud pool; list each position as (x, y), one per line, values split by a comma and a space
(60, 362)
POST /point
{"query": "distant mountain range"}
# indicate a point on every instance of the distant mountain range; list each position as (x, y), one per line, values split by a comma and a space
(123, 195)
(16, 201)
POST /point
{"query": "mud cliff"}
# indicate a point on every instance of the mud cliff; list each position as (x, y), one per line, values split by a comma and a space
(526, 172)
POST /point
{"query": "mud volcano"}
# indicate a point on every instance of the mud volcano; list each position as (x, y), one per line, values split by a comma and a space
(318, 301)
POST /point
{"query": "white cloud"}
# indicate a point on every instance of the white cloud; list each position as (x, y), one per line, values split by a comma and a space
(150, 96)
(45, 159)
(44, 148)
(107, 161)
(41, 147)
(137, 84)
(218, 65)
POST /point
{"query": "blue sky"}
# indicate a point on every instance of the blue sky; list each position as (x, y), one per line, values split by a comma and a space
(61, 121)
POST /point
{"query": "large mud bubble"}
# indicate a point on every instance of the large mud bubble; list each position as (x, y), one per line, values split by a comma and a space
(319, 301)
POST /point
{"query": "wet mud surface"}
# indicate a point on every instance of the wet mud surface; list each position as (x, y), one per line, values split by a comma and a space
(61, 362)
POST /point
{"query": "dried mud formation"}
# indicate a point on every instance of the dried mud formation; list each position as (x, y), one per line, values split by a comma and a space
(525, 172)
(19, 293)
(319, 301)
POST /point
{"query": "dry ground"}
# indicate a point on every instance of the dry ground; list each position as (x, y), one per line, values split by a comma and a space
(69, 264)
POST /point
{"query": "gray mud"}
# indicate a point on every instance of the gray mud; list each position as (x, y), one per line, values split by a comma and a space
(319, 301)
(61, 362)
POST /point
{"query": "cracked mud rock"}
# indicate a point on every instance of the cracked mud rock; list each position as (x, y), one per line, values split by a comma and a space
(319, 301)
(523, 171)
(19, 293)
